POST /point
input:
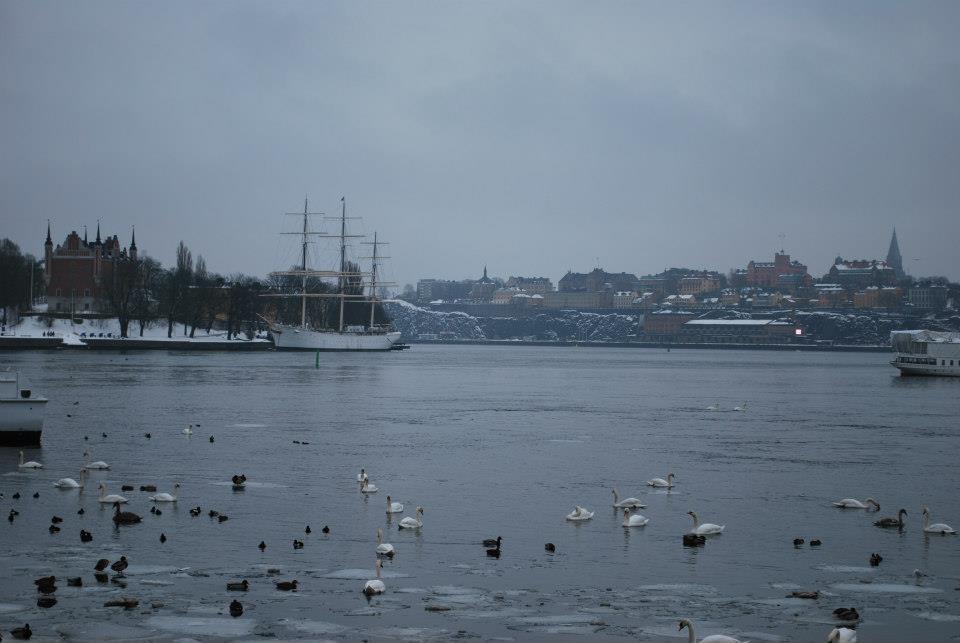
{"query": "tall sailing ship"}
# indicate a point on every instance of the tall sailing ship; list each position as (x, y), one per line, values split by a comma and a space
(351, 284)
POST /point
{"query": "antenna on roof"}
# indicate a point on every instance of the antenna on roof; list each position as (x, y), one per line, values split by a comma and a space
(782, 237)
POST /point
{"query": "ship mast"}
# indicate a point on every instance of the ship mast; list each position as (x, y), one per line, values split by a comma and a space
(373, 281)
(343, 257)
(303, 267)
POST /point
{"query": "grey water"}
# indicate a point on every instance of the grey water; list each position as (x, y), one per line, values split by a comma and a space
(491, 441)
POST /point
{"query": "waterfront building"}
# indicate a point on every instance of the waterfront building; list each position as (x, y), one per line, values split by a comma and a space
(739, 331)
(665, 325)
(699, 284)
(531, 285)
(830, 295)
(597, 280)
(439, 289)
(767, 274)
(484, 287)
(624, 298)
(928, 296)
(562, 300)
(860, 273)
(78, 273)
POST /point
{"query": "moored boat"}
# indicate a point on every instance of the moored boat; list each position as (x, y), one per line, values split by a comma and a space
(21, 412)
(926, 352)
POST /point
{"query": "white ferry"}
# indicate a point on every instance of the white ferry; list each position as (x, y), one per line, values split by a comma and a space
(21, 414)
(926, 352)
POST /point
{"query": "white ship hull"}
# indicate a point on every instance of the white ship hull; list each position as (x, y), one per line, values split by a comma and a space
(292, 338)
(21, 418)
(923, 352)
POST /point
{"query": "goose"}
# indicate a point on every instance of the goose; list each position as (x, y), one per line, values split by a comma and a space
(633, 503)
(167, 497)
(714, 407)
(634, 520)
(188, 430)
(742, 407)
(384, 549)
(99, 464)
(842, 635)
(937, 527)
(579, 514)
(892, 522)
(713, 638)
(31, 464)
(376, 585)
(70, 483)
(660, 482)
(394, 507)
(853, 503)
(124, 517)
(111, 498)
(413, 523)
(366, 487)
(704, 529)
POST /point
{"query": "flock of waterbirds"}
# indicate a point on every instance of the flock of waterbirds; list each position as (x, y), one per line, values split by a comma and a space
(696, 537)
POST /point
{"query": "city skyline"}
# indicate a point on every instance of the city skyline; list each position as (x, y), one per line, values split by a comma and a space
(532, 139)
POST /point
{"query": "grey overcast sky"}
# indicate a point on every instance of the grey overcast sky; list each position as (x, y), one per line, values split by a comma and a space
(533, 137)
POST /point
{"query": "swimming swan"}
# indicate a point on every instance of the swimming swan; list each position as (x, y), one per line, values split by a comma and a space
(188, 430)
(109, 499)
(28, 465)
(704, 529)
(166, 497)
(842, 635)
(99, 464)
(633, 503)
(714, 407)
(376, 585)
(394, 507)
(853, 503)
(660, 482)
(384, 549)
(362, 475)
(892, 522)
(634, 520)
(742, 407)
(70, 483)
(413, 523)
(713, 638)
(579, 514)
(937, 527)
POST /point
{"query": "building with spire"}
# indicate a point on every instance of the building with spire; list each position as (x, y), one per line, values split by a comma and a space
(78, 274)
(894, 260)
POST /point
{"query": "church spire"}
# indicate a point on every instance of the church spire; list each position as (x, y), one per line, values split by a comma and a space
(133, 238)
(894, 260)
(98, 242)
(49, 240)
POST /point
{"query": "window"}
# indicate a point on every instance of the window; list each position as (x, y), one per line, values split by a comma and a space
(86, 292)
(59, 294)
(58, 303)
(86, 305)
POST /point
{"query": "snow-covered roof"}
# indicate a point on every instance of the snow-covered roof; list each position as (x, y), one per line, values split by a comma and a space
(733, 322)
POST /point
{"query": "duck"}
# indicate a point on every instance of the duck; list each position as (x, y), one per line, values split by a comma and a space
(70, 483)
(286, 585)
(394, 507)
(797, 542)
(99, 464)
(85, 536)
(842, 635)
(660, 482)
(325, 530)
(297, 544)
(494, 552)
(76, 581)
(239, 482)
(124, 517)
(937, 527)
(188, 430)
(236, 609)
(634, 520)
(31, 464)
(853, 503)
(633, 503)
(816, 542)
(54, 529)
(375, 586)
(307, 530)
(384, 549)
(875, 559)
(847, 614)
(112, 498)
(492, 542)
(892, 522)
(366, 487)
(412, 523)
(550, 547)
(101, 565)
(705, 528)
(167, 497)
(22, 633)
(741, 407)
(239, 586)
(120, 565)
(163, 537)
(579, 514)
(262, 545)
(713, 638)
(152, 488)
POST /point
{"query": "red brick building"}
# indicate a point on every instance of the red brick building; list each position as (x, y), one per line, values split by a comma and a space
(766, 274)
(78, 273)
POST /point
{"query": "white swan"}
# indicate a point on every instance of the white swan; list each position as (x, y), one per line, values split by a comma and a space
(842, 635)
(413, 523)
(714, 407)
(704, 529)
(853, 503)
(376, 585)
(384, 549)
(937, 527)
(634, 520)
(742, 407)
(394, 507)
(109, 499)
(713, 638)
(660, 482)
(70, 483)
(188, 430)
(362, 475)
(366, 487)
(626, 502)
(167, 497)
(28, 465)
(99, 464)
(579, 514)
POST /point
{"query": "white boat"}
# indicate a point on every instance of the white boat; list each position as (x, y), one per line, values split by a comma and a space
(21, 413)
(350, 285)
(926, 352)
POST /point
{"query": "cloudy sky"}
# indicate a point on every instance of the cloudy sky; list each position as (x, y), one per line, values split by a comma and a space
(531, 137)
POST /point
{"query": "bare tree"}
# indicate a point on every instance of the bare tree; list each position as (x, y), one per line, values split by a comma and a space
(124, 284)
(144, 300)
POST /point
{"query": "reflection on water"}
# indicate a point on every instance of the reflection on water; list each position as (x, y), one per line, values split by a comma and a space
(492, 442)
